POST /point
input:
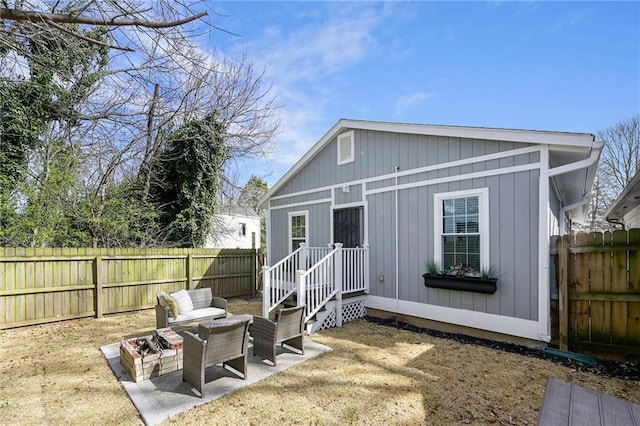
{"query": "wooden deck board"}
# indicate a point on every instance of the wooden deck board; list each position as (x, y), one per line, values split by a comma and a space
(570, 405)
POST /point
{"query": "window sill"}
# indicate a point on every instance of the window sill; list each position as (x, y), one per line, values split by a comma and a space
(450, 282)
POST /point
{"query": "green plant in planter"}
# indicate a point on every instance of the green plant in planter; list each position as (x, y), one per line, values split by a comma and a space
(433, 269)
(488, 274)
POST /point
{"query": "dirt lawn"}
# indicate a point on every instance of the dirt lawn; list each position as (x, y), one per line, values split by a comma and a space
(375, 374)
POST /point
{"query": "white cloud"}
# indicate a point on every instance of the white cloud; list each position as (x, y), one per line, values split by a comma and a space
(304, 64)
(405, 102)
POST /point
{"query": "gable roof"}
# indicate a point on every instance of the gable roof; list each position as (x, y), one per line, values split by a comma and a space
(234, 210)
(581, 143)
(628, 199)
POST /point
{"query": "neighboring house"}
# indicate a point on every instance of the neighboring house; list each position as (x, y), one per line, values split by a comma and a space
(413, 193)
(235, 227)
(625, 210)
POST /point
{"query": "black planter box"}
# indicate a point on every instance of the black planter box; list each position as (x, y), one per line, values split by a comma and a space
(451, 282)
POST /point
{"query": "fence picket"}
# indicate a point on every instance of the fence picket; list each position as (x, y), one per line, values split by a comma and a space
(633, 318)
(602, 272)
(51, 284)
(600, 321)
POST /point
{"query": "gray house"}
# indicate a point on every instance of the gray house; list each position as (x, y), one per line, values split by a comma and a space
(398, 196)
(625, 210)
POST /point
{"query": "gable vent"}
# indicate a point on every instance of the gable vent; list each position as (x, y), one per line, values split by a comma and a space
(345, 148)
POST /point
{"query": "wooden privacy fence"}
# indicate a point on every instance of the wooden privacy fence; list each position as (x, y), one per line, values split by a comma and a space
(598, 277)
(45, 285)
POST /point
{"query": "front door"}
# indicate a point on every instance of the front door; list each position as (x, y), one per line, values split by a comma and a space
(347, 227)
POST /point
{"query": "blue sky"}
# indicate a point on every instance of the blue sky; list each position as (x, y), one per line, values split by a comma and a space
(566, 66)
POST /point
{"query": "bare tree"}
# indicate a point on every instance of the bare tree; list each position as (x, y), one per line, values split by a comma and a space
(620, 159)
(121, 121)
(619, 162)
(49, 16)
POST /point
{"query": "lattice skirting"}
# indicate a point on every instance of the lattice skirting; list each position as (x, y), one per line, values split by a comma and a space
(350, 311)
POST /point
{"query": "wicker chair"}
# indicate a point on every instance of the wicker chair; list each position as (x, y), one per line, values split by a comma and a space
(287, 329)
(222, 341)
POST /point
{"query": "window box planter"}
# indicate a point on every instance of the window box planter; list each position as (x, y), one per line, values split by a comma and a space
(452, 282)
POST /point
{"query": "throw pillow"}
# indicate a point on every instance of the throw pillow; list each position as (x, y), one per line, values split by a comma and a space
(169, 302)
(183, 300)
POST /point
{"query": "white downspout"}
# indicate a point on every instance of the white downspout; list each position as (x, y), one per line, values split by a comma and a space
(563, 214)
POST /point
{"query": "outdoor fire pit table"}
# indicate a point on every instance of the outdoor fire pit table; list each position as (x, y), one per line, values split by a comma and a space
(144, 360)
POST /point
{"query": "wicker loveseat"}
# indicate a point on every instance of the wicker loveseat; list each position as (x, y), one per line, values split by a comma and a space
(205, 308)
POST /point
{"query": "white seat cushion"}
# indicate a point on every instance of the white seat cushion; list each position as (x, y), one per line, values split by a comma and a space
(183, 300)
(197, 314)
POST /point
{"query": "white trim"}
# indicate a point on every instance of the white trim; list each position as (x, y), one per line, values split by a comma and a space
(578, 165)
(424, 169)
(304, 213)
(301, 203)
(486, 133)
(350, 137)
(513, 135)
(486, 173)
(483, 222)
(397, 244)
(544, 295)
(269, 244)
(472, 319)
(348, 205)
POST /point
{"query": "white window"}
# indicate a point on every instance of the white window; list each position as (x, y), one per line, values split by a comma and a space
(461, 229)
(242, 231)
(298, 229)
(345, 148)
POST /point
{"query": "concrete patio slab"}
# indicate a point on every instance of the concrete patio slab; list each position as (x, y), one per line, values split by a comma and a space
(159, 398)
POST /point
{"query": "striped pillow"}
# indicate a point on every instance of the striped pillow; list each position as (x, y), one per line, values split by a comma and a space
(183, 300)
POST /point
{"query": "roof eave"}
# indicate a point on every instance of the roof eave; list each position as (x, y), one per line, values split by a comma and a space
(628, 199)
(584, 140)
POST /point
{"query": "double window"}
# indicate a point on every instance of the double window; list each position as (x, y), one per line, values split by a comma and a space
(461, 228)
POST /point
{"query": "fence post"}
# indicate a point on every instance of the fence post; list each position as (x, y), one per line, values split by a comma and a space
(338, 273)
(266, 291)
(97, 282)
(563, 288)
(189, 282)
(254, 274)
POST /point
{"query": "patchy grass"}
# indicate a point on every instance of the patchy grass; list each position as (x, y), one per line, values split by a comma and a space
(375, 374)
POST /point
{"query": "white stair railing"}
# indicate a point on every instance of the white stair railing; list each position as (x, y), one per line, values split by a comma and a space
(318, 284)
(279, 280)
(356, 267)
(317, 274)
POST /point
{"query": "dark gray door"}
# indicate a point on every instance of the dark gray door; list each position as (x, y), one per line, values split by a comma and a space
(347, 227)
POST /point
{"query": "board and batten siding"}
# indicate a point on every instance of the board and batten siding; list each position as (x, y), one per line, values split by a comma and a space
(513, 213)
(318, 228)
